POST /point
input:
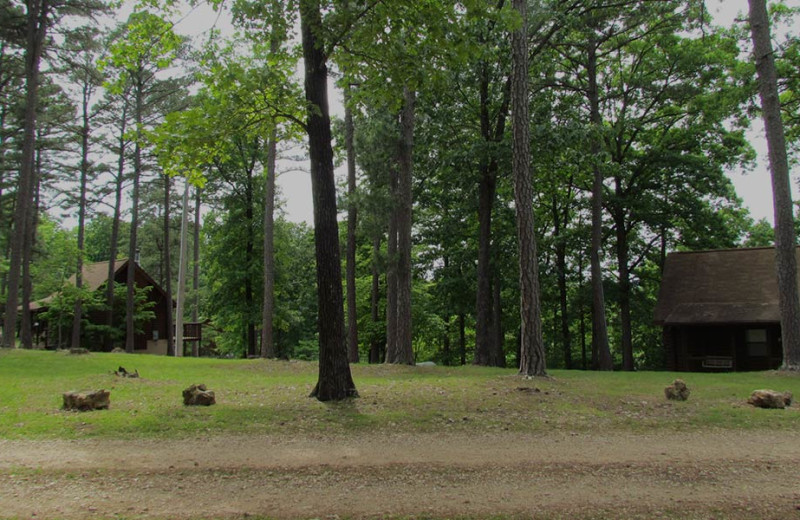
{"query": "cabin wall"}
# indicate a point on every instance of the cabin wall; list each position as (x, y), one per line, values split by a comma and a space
(731, 347)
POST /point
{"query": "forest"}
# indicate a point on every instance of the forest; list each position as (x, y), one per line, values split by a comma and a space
(473, 208)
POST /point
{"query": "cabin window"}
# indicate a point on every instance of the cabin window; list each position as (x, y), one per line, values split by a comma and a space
(756, 340)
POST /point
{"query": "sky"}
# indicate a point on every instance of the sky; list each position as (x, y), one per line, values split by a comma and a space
(753, 185)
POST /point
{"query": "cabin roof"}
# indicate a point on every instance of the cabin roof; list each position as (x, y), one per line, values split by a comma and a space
(721, 286)
(96, 274)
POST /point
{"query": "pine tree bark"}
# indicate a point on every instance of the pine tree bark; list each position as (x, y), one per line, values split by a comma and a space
(268, 306)
(196, 269)
(532, 356)
(405, 349)
(486, 327)
(84, 179)
(487, 186)
(335, 381)
(113, 246)
(624, 297)
(391, 273)
(561, 273)
(600, 346)
(36, 27)
(785, 245)
(249, 297)
(171, 348)
(26, 324)
(375, 344)
(130, 302)
(183, 264)
(462, 337)
(497, 356)
(352, 219)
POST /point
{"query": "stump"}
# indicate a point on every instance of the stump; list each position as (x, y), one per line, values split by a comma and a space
(121, 372)
(770, 399)
(198, 395)
(84, 402)
(677, 391)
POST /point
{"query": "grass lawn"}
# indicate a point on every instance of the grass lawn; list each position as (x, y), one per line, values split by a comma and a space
(270, 397)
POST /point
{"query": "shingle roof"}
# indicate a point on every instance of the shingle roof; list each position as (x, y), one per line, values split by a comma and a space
(724, 286)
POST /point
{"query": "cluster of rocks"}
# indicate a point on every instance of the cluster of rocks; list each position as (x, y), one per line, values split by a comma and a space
(678, 391)
(195, 395)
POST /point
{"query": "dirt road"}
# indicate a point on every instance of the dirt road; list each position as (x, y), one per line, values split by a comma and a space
(698, 475)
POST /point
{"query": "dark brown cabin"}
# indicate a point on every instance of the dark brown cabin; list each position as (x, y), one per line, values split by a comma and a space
(719, 310)
(154, 338)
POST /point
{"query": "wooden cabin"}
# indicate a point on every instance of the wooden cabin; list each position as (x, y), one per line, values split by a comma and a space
(153, 340)
(719, 310)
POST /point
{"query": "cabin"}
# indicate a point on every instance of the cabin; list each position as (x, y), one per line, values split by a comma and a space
(153, 340)
(719, 310)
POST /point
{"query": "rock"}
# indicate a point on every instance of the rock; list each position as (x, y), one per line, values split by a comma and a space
(84, 402)
(78, 351)
(677, 391)
(117, 350)
(426, 364)
(198, 395)
(770, 399)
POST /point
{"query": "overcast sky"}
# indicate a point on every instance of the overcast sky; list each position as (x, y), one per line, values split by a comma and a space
(752, 186)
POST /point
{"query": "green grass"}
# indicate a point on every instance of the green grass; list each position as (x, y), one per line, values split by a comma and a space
(258, 396)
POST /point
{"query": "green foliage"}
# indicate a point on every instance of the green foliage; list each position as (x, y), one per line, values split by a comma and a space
(97, 247)
(227, 267)
(55, 257)
(148, 43)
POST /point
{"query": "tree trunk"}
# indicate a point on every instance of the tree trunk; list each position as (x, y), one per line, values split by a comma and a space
(582, 313)
(36, 27)
(335, 381)
(375, 343)
(171, 345)
(532, 356)
(600, 346)
(484, 336)
(84, 169)
(624, 291)
(446, 342)
(785, 247)
(26, 325)
(561, 274)
(405, 351)
(462, 338)
(391, 274)
(130, 304)
(268, 304)
(268, 307)
(182, 265)
(196, 270)
(109, 340)
(487, 186)
(498, 354)
(352, 219)
(249, 298)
